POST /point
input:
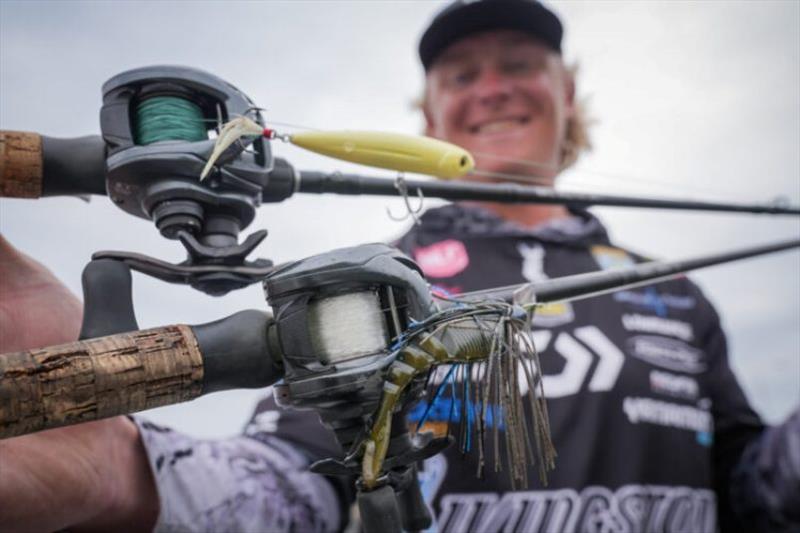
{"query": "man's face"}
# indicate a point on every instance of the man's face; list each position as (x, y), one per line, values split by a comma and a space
(504, 97)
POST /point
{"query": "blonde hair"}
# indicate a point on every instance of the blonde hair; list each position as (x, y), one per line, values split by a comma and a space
(577, 139)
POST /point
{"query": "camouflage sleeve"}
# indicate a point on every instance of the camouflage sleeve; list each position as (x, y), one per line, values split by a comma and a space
(765, 487)
(236, 484)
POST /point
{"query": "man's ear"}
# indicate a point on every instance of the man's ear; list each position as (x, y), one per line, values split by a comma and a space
(426, 112)
(569, 89)
(424, 105)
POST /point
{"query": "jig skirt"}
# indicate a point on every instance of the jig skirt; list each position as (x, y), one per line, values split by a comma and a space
(489, 351)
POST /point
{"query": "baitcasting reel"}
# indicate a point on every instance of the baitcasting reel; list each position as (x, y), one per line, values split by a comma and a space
(337, 318)
(330, 339)
(156, 123)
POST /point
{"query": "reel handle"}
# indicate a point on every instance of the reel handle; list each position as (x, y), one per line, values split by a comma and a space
(32, 165)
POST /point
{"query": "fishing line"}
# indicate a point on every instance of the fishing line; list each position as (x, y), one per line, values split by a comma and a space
(169, 118)
(567, 180)
(598, 173)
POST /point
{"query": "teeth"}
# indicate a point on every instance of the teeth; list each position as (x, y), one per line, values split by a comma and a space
(499, 125)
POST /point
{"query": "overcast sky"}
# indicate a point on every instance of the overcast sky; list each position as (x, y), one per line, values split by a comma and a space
(691, 99)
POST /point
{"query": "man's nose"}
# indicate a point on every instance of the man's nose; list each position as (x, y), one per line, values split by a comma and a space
(493, 87)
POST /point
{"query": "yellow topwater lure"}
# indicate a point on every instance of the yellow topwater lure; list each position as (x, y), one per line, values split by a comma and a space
(393, 151)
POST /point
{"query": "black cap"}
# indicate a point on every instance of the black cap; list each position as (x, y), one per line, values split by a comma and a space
(464, 17)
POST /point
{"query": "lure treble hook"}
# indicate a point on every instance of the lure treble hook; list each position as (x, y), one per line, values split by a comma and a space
(411, 212)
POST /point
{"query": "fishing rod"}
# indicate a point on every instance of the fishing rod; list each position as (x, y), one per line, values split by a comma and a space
(340, 372)
(582, 286)
(353, 184)
(327, 273)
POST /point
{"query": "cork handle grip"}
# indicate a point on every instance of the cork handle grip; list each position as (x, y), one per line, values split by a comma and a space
(21, 164)
(98, 378)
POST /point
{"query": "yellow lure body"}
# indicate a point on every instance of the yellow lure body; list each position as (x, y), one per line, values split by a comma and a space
(405, 153)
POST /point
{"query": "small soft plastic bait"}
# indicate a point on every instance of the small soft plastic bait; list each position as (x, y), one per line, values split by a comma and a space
(231, 132)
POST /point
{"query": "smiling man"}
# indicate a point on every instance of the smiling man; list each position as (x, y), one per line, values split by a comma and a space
(651, 427)
(648, 420)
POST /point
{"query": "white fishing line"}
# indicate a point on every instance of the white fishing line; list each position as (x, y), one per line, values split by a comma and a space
(347, 325)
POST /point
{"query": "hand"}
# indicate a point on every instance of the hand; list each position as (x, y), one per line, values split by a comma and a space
(93, 476)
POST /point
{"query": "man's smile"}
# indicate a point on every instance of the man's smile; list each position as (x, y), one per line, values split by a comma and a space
(498, 125)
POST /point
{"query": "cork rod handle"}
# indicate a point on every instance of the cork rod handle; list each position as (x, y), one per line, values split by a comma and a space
(98, 378)
(21, 164)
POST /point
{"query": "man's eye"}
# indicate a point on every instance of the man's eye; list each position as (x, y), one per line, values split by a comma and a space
(461, 78)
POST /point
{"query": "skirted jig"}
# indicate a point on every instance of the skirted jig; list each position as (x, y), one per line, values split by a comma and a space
(491, 345)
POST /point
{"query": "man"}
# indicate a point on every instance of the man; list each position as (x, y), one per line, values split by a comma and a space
(648, 420)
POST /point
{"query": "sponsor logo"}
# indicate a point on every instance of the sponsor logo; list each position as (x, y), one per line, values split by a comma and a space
(608, 258)
(553, 315)
(657, 324)
(673, 384)
(650, 411)
(630, 508)
(443, 259)
(532, 262)
(667, 353)
(548, 315)
(659, 303)
(578, 358)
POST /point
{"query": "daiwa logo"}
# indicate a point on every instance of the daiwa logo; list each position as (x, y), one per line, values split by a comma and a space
(578, 358)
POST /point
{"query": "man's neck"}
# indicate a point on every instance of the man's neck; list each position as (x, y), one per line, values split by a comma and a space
(525, 214)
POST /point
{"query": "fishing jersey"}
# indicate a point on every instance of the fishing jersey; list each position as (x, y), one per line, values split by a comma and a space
(646, 416)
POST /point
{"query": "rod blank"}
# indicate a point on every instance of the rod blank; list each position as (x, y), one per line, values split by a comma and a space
(353, 184)
(593, 283)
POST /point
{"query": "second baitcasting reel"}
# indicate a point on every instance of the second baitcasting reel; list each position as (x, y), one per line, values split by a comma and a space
(158, 125)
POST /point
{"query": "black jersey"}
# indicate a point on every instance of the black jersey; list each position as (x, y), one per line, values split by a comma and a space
(646, 416)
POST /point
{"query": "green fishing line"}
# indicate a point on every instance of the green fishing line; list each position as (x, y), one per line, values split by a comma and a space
(169, 118)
